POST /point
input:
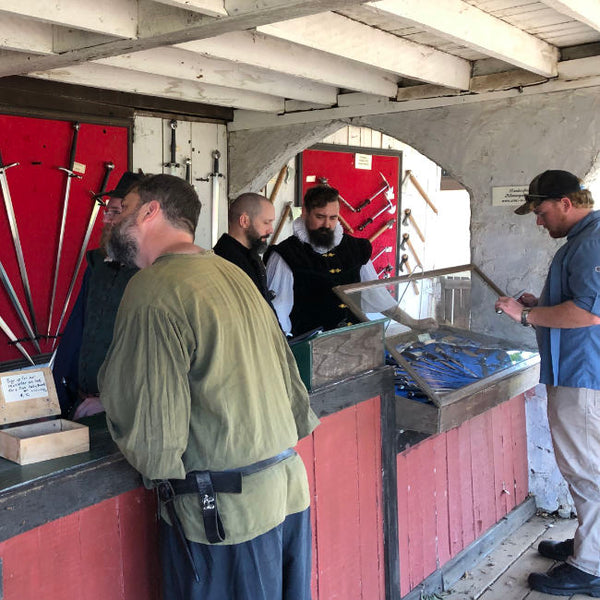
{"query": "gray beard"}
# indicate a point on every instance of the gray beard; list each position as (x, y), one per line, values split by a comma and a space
(121, 247)
(259, 245)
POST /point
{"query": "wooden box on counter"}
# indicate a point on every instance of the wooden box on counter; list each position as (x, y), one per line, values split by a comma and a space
(334, 355)
(28, 402)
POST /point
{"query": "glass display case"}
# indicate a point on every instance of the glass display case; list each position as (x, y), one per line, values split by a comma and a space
(453, 355)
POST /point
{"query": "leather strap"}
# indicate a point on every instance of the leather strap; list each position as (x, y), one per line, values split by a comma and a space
(207, 484)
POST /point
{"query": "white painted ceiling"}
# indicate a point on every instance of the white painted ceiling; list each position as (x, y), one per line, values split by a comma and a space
(302, 60)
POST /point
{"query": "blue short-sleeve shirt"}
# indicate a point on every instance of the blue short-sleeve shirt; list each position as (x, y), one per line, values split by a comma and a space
(571, 357)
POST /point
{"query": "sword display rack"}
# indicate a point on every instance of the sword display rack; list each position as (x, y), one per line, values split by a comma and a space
(50, 174)
(369, 197)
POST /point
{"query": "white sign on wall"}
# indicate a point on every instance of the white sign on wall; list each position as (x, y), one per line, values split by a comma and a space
(363, 161)
(509, 195)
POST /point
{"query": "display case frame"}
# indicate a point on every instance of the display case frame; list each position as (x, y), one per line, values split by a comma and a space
(443, 411)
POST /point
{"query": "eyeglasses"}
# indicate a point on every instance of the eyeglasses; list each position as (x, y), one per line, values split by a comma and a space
(112, 212)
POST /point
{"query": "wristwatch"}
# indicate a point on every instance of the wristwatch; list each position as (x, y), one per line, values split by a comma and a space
(524, 313)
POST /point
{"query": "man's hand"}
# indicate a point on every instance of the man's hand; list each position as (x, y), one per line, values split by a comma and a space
(90, 406)
(510, 306)
(528, 300)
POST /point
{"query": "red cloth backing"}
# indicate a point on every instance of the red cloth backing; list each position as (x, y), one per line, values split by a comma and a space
(356, 185)
(37, 189)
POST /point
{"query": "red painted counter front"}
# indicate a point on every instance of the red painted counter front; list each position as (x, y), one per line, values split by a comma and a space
(454, 486)
(105, 552)
(343, 460)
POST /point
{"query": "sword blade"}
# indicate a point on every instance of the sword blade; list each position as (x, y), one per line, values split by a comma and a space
(12, 222)
(59, 249)
(215, 198)
(70, 174)
(86, 239)
(13, 338)
(10, 290)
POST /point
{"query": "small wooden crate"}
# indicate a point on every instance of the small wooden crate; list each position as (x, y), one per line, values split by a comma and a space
(339, 353)
(29, 395)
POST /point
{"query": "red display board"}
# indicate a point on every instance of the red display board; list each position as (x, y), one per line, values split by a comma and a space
(37, 188)
(339, 170)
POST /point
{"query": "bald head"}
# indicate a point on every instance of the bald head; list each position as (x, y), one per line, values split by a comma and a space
(251, 219)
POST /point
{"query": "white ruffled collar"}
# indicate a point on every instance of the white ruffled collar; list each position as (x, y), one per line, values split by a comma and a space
(299, 229)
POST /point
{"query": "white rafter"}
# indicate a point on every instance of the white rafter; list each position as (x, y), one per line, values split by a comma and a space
(175, 29)
(25, 35)
(106, 77)
(469, 26)
(214, 8)
(344, 37)
(117, 17)
(259, 50)
(584, 11)
(182, 64)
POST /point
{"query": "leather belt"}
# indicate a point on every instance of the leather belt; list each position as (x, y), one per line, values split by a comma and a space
(207, 484)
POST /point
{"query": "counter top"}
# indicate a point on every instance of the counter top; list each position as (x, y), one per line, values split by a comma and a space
(31, 495)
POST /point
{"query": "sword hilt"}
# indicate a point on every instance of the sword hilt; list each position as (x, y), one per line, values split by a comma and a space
(216, 156)
(364, 225)
(173, 162)
(4, 167)
(109, 166)
(76, 126)
(70, 172)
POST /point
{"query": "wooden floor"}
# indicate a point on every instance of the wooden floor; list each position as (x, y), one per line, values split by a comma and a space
(502, 575)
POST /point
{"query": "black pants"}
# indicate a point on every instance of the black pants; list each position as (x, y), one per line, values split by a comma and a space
(273, 566)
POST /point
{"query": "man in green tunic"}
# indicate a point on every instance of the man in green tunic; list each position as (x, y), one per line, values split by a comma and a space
(204, 399)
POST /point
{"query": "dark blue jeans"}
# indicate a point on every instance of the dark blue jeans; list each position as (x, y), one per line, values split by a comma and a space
(273, 566)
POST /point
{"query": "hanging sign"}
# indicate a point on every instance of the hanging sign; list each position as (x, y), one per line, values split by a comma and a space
(509, 195)
(363, 161)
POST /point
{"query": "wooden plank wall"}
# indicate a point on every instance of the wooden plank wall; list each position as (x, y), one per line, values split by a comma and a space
(343, 460)
(108, 550)
(454, 486)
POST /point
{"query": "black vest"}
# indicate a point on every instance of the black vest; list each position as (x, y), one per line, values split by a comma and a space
(106, 286)
(315, 304)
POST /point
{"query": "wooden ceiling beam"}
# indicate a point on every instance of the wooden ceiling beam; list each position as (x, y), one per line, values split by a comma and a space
(112, 78)
(584, 11)
(344, 37)
(473, 28)
(182, 64)
(161, 32)
(259, 50)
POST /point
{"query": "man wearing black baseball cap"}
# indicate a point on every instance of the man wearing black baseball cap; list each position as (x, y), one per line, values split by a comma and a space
(88, 333)
(567, 321)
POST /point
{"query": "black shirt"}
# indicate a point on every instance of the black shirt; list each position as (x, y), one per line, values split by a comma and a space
(246, 259)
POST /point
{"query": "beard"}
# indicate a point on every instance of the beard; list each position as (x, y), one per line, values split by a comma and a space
(120, 245)
(104, 237)
(321, 237)
(258, 243)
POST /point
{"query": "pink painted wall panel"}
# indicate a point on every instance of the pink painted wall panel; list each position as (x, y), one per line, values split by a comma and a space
(450, 488)
(348, 504)
(83, 556)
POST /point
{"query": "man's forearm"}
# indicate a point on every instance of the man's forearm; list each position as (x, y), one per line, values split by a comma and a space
(562, 316)
(566, 315)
